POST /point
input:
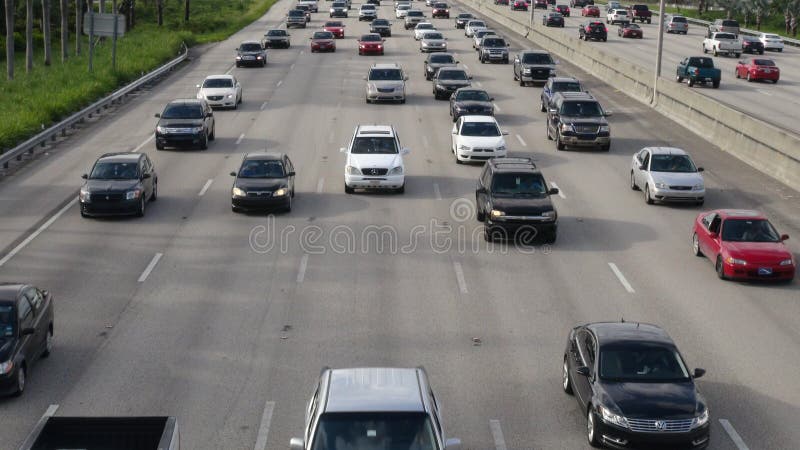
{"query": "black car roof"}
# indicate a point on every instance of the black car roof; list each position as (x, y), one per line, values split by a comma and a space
(264, 156)
(609, 333)
(186, 101)
(121, 157)
(9, 291)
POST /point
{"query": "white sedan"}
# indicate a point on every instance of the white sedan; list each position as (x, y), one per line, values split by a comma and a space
(433, 41)
(422, 28)
(472, 25)
(220, 91)
(667, 174)
(402, 10)
(477, 138)
(771, 41)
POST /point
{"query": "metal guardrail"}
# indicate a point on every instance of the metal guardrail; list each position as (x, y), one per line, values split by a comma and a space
(61, 127)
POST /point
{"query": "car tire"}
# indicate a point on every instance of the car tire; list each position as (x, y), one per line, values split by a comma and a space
(288, 207)
(605, 148)
(647, 198)
(720, 268)
(140, 212)
(736, 73)
(634, 187)
(213, 135)
(691, 82)
(487, 235)
(541, 106)
(159, 146)
(716, 53)
(737, 55)
(547, 132)
(235, 209)
(605, 39)
(154, 195)
(696, 245)
(204, 143)
(48, 343)
(480, 215)
(521, 82)
(715, 84)
(559, 144)
(21, 381)
(348, 189)
(401, 189)
(566, 381)
(774, 81)
(403, 101)
(591, 430)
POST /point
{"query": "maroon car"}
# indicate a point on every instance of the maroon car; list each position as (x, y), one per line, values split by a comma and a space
(590, 11)
(518, 5)
(322, 41)
(440, 9)
(370, 43)
(630, 30)
(336, 27)
(563, 9)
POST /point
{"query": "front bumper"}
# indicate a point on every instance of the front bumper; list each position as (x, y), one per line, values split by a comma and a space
(260, 203)
(620, 438)
(109, 208)
(477, 154)
(574, 140)
(446, 91)
(366, 17)
(180, 140)
(673, 195)
(323, 47)
(371, 50)
(495, 56)
(433, 48)
(766, 272)
(394, 95)
(374, 182)
(514, 227)
(225, 102)
(339, 14)
(251, 62)
(537, 75)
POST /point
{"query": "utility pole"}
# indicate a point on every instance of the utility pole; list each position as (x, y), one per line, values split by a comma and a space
(660, 49)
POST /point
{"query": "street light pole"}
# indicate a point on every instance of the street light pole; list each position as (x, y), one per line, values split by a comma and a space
(660, 48)
(532, 8)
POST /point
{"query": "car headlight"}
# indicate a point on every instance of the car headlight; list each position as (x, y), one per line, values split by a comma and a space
(700, 420)
(352, 170)
(6, 367)
(259, 57)
(159, 129)
(229, 96)
(497, 213)
(396, 170)
(85, 196)
(566, 127)
(238, 58)
(197, 129)
(610, 417)
(372, 87)
(464, 147)
(280, 192)
(662, 185)
(502, 148)
(133, 195)
(698, 187)
(527, 70)
(238, 192)
(440, 86)
(787, 262)
(734, 261)
(549, 214)
(604, 129)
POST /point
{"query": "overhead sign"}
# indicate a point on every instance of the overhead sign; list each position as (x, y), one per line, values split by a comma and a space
(104, 24)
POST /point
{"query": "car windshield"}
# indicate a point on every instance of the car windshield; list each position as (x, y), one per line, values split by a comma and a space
(440, 5)
(475, 96)
(250, 47)
(480, 129)
(384, 431)
(323, 35)
(679, 19)
(383, 145)
(749, 230)
(183, 111)
(380, 22)
(632, 26)
(477, 23)
(536, 58)
(555, 15)
(561, 6)
(218, 83)
(482, 33)
(433, 36)
(519, 184)
(276, 33)
(260, 168)
(672, 163)
(725, 36)
(771, 36)
(385, 74)
(404, 7)
(414, 13)
(566, 86)
(764, 62)
(730, 23)
(452, 75)
(465, 16)
(642, 362)
(115, 171)
(442, 59)
(339, 5)
(7, 321)
(425, 26)
(493, 42)
(333, 24)
(367, 7)
(584, 109)
(296, 13)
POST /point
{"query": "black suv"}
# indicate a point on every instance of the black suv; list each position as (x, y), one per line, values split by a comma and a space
(185, 122)
(555, 85)
(513, 201)
(251, 53)
(264, 181)
(577, 119)
(471, 102)
(119, 184)
(593, 29)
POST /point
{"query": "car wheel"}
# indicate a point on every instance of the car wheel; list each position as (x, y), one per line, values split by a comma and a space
(774, 81)
(140, 211)
(559, 144)
(634, 187)
(521, 83)
(235, 209)
(288, 207)
(21, 380)
(566, 383)
(154, 195)
(213, 135)
(749, 78)
(715, 84)
(696, 245)
(720, 268)
(605, 148)
(480, 215)
(204, 144)
(401, 189)
(348, 189)
(691, 82)
(647, 198)
(48, 343)
(159, 146)
(605, 39)
(487, 235)
(736, 73)
(547, 132)
(591, 432)
(715, 52)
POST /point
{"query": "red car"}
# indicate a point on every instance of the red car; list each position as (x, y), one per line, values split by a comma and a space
(630, 30)
(590, 11)
(336, 27)
(758, 69)
(563, 9)
(370, 43)
(440, 9)
(518, 5)
(322, 41)
(742, 245)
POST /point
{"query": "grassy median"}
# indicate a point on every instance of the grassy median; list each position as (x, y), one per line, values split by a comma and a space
(48, 94)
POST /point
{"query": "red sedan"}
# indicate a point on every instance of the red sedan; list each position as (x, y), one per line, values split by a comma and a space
(758, 69)
(742, 245)
(440, 9)
(322, 41)
(590, 11)
(563, 9)
(370, 43)
(336, 27)
(630, 30)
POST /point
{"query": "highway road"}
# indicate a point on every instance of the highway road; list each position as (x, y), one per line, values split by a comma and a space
(773, 103)
(229, 333)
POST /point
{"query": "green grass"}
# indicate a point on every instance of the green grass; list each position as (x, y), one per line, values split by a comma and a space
(48, 94)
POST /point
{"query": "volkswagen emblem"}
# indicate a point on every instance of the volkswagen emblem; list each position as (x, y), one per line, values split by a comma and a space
(661, 425)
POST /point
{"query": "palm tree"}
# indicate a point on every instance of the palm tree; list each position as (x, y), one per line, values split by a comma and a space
(10, 39)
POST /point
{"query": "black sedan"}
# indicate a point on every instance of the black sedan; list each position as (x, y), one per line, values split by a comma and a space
(185, 123)
(264, 181)
(119, 184)
(635, 387)
(470, 101)
(26, 333)
(251, 53)
(553, 19)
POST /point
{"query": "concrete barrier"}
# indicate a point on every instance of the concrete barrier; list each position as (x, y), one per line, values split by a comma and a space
(761, 145)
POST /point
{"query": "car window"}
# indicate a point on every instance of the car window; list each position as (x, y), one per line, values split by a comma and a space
(260, 168)
(296, 13)
(385, 74)
(586, 348)
(679, 19)
(480, 129)
(492, 42)
(646, 159)
(706, 220)
(371, 38)
(323, 35)
(276, 33)
(749, 230)
(289, 165)
(519, 185)
(672, 163)
(374, 145)
(183, 111)
(334, 23)
(642, 363)
(24, 312)
(581, 108)
(115, 171)
(35, 298)
(218, 83)
(566, 86)
(764, 62)
(485, 176)
(452, 75)
(250, 47)
(401, 430)
(715, 223)
(537, 58)
(7, 321)
(442, 59)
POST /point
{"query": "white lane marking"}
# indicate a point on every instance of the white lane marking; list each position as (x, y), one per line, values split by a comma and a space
(496, 108)
(38, 231)
(621, 277)
(726, 425)
(205, 188)
(291, 67)
(519, 138)
(51, 411)
(263, 429)
(765, 92)
(479, 84)
(560, 194)
(302, 51)
(301, 274)
(437, 191)
(150, 267)
(497, 434)
(263, 106)
(465, 66)
(462, 284)
(238, 141)
(280, 83)
(139, 147)
(425, 141)
(320, 185)
(331, 136)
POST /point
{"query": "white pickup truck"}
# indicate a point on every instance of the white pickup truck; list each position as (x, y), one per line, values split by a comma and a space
(723, 43)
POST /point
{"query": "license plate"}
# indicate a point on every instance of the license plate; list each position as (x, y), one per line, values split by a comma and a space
(374, 182)
(249, 57)
(708, 79)
(764, 271)
(767, 71)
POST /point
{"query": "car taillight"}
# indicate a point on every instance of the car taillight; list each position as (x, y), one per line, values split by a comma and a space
(605, 29)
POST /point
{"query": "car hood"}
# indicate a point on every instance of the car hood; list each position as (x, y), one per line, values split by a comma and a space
(376, 26)
(523, 206)
(110, 185)
(470, 104)
(433, 41)
(333, 29)
(216, 91)
(482, 141)
(440, 65)
(597, 120)
(652, 400)
(538, 66)
(758, 252)
(677, 179)
(386, 84)
(253, 53)
(366, 161)
(269, 184)
(180, 123)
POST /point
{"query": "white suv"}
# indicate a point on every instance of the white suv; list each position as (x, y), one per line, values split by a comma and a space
(374, 160)
(477, 138)
(367, 12)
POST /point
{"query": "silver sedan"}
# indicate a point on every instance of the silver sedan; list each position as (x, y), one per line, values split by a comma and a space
(432, 41)
(667, 174)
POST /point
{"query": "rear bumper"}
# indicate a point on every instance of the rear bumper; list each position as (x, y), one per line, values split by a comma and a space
(533, 76)
(8, 382)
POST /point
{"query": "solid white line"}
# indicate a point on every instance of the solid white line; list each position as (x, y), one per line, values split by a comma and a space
(437, 191)
(51, 411)
(497, 434)
(36, 233)
(139, 147)
(733, 434)
(150, 267)
(263, 105)
(301, 274)
(320, 185)
(205, 188)
(621, 277)
(496, 108)
(263, 429)
(519, 138)
(280, 83)
(560, 194)
(238, 141)
(462, 285)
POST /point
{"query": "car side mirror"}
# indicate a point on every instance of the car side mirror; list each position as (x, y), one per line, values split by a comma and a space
(458, 62)
(608, 114)
(342, 150)
(311, 38)
(583, 370)
(470, 77)
(405, 78)
(452, 444)
(642, 167)
(209, 114)
(784, 237)
(405, 150)
(233, 174)
(491, 99)
(698, 373)
(504, 132)
(296, 444)
(700, 169)
(27, 331)
(197, 86)
(552, 191)
(290, 174)
(146, 176)
(85, 176)
(158, 115)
